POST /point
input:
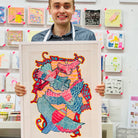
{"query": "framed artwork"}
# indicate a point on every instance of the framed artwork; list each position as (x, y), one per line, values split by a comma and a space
(2, 37)
(14, 37)
(133, 112)
(1, 82)
(4, 59)
(31, 33)
(17, 103)
(99, 37)
(60, 78)
(11, 80)
(7, 102)
(15, 59)
(115, 40)
(113, 85)
(16, 15)
(113, 18)
(2, 14)
(49, 20)
(113, 63)
(92, 17)
(36, 16)
(129, 1)
(76, 17)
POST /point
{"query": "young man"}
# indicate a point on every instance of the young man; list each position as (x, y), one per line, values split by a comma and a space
(62, 30)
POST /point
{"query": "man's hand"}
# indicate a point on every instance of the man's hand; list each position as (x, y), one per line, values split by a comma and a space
(100, 89)
(20, 90)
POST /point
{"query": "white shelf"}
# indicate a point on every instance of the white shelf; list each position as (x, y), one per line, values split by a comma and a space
(10, 125)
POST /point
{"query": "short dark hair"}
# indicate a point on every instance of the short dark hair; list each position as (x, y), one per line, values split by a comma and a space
(50, 0)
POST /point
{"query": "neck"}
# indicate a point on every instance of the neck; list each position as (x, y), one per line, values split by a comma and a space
(61, 30)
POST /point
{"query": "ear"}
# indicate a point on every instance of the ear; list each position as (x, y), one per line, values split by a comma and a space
(74, 8)
(49, 9)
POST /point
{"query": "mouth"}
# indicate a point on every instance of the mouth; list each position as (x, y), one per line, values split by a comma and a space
(62, 17)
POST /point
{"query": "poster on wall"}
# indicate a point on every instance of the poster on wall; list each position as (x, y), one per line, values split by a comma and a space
(133, 112)
(60, 78)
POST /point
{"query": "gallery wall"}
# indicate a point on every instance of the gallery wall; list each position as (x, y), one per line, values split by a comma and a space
(118, 103)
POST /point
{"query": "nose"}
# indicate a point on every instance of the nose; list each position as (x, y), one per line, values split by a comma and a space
(62, 9)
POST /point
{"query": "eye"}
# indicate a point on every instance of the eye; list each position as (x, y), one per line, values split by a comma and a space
(67, 6)
(57, 6)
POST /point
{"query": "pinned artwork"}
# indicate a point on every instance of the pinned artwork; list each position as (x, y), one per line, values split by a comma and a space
(113, 63)
(1, 82)
(99, 37)
(11, 80)
(36, 16)
(14, 37)
(133, 112)
(115, 40)
(2, 38)
(15, 59)
(7, 102)
(102, 63)
(60, 88)
(16, 15)
(2, 14)
(113, 85)
(113, 18)
(31, 33)
(4, 59)
(92, 17)
(49, 20)
(76, 17)
(17, 103)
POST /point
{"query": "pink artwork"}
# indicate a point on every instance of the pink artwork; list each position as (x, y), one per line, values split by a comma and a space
(36, 15)
(16, 15)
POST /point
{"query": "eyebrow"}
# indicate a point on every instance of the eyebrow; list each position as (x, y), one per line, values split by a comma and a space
(59, 3)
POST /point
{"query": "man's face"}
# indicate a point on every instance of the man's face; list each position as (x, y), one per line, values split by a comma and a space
(61, 11)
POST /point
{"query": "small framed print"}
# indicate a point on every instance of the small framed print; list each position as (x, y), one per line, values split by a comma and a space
(14, 37)
(2, 14)
(113, 18)
(113, 85)
(7, 102)
(113, 63)
(76, 17)
(115, 40)
(4, 59)
(92, 17)
(16, 15)
(36, 16)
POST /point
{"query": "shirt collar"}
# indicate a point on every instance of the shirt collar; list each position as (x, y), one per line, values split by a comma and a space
(51, 33)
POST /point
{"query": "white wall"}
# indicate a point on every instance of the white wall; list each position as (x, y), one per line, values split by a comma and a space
(130, 27)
